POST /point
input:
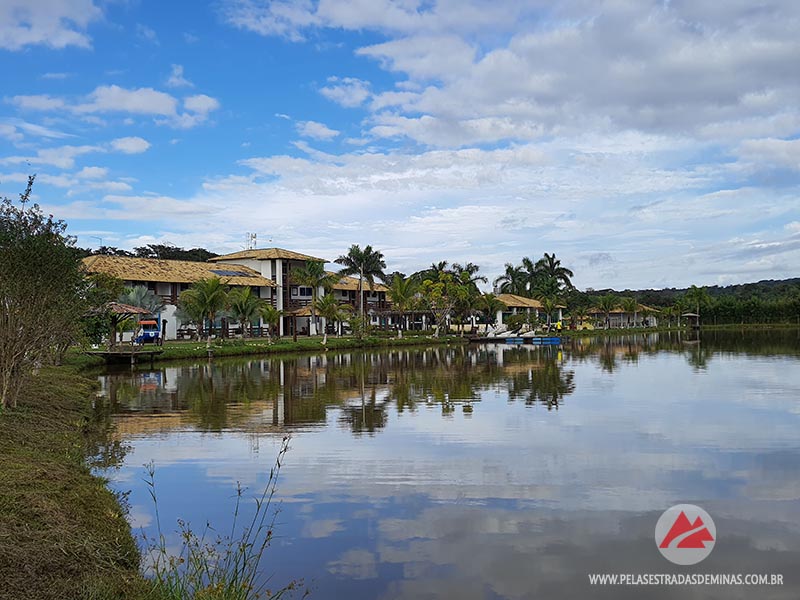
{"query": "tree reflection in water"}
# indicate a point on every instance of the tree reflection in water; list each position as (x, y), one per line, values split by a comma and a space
(361, 389)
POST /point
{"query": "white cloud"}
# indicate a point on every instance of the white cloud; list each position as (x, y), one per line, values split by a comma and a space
(55, 75)
(113, 98)
(347, 91)
(146, 33)
(62, 157)
(176, 78)
(139, 101)
(10, 133)
(92, 173)
(772, 152)
(318, 131)
(41, 131)
(37, 102)
(55, 23)
(130, 145)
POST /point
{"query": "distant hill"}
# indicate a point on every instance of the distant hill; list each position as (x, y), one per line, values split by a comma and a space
(766, 289)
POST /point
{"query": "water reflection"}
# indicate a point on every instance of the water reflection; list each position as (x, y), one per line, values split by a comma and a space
(487, 471)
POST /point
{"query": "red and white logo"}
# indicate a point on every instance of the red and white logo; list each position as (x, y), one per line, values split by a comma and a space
(685, 534)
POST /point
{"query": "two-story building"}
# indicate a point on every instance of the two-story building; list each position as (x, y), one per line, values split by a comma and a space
(168, 278)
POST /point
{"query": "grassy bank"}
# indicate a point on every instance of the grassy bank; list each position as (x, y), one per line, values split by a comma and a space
(260, 346)
(63, 534)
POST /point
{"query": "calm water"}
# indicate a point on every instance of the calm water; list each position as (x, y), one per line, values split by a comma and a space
(482, 472)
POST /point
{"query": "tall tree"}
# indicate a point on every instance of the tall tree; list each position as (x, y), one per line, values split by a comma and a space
(271, 317)
(402, 293)
(630, 306)
(313, 275)
(513, 281)
(41, 292)
(330, 310)
(550, 267)
(606, 304)
(367, 264)
(442, 296)
(207, 297)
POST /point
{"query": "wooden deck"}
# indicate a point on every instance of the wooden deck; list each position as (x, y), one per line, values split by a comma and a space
(126, 354)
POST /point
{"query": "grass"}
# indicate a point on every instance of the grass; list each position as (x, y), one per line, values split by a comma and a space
(215, 567)
(63, 534)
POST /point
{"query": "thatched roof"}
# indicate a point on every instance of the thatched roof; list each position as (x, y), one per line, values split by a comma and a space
(126, 309)
(173, 271)
(266, 254)
(620, 311)
(514, 301)
(351, 284)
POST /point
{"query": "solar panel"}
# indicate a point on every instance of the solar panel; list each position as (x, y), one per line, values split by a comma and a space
(228, 273)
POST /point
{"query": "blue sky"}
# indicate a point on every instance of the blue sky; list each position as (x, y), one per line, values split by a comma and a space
(647, 144)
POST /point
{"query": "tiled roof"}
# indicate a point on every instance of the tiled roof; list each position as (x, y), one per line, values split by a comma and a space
(267, 254)
(173, 271)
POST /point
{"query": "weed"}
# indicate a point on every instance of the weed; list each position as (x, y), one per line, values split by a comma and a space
(217, 567)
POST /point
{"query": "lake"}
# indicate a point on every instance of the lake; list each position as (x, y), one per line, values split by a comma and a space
(480, 471)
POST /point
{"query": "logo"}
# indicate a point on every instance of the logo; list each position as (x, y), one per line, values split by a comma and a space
(685, 534)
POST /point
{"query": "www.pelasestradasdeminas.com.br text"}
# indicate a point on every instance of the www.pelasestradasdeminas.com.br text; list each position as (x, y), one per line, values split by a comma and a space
(685, 579)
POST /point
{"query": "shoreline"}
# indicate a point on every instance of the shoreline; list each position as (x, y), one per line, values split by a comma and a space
(183, 350)
(63, 532)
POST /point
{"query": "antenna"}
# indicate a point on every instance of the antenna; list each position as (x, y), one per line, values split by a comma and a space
(251, 241)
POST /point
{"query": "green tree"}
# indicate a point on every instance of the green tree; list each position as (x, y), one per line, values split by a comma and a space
(606, 304)
(490, 305)
(442, 295)
(206, 297)
(367, 264)
(271, 317)
(697, 298)
(550, 268)
(313, 275)
(245, 307)
(402, 293)
(513, 281)
(630, 306)
(42, 296)
(330, 310)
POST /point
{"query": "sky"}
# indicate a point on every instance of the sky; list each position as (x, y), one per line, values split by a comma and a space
(646, 143)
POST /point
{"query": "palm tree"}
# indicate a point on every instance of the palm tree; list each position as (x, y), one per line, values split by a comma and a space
(271, 317)
(141, 297)
(630, 305)
(606, 304)
(490, 305)
(548, 305)
(206, 297)
(550, 267)
(313, 275)
(402, 293)
(697, 297)
(245, 307)
(367, 264)
(513, 281)
(330, 310)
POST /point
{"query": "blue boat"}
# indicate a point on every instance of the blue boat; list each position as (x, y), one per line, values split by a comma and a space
(545, 341)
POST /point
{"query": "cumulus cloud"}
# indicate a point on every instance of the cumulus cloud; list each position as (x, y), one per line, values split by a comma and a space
(318, 131)
(56, 23)
(347, 91)
(62, 157)
(92, 173)
(37, 102)
(130, 145)
(138, 101)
